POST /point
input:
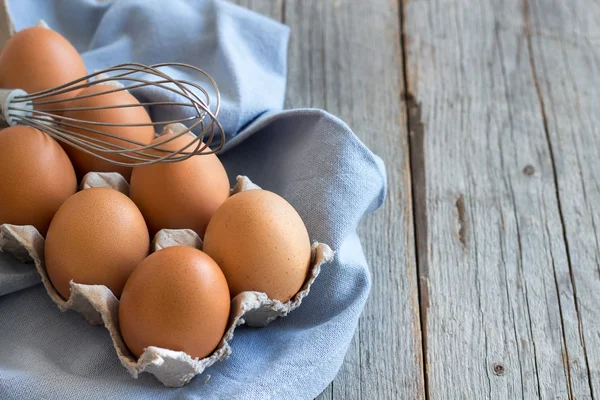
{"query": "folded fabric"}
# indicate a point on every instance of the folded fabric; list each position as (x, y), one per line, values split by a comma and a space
(308, 156)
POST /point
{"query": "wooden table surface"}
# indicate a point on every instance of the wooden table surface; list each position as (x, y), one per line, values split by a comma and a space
(485, 257)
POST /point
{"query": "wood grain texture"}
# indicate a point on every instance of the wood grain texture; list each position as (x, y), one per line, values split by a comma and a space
(345, 57)
(270, 8)
(565, 49)
(333, 65)
(497, 296)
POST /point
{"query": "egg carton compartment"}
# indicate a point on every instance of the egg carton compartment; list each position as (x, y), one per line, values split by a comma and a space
(98, 305)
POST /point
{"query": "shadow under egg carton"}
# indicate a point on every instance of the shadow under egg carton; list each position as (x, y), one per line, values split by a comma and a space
(98, 305)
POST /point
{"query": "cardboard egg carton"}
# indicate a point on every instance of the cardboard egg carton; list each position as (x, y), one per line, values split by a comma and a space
(99, 306)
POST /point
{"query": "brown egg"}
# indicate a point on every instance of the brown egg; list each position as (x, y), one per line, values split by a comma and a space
(36, 59)
(84, 162)
(177, 299)
(180, 195)
(36, 177)
(97, 237)
(260, 243)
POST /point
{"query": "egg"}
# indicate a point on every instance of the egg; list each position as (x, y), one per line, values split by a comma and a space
(36, 177)
(176, 299)
(97, 237)
(36, 59)
(180, 195)
(84, 162)
(261, 244)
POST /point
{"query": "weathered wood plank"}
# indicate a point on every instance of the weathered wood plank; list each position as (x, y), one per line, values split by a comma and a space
(345, 57)
(565, 49)
(269, 8)
(497, 294)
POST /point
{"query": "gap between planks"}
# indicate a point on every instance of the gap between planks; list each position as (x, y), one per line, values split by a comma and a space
(416, 132)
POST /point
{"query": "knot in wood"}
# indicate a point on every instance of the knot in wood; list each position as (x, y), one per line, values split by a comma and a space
(529, 170)
(498, 369)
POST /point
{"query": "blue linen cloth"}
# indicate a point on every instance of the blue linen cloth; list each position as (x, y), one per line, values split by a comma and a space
(308, 156)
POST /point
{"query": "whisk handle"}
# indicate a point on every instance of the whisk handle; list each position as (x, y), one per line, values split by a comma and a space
(7, 99)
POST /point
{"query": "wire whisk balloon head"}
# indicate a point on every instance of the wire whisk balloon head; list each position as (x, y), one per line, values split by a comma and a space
(54, 111)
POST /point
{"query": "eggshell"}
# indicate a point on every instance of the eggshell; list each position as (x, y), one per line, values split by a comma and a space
(84, 162)
(36, 177)
(97, 237)
(177, 299)
(180, 195)
(38, 58)
(261, 244)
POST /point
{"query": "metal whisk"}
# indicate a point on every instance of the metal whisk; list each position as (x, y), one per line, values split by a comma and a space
(18, 107)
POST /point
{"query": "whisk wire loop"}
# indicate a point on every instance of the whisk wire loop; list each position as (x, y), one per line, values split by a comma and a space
(192, 101)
